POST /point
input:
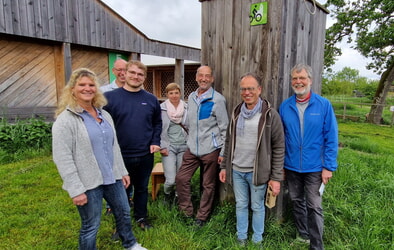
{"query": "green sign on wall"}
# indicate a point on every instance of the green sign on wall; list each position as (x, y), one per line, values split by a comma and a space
(258, 13)
(111, 59)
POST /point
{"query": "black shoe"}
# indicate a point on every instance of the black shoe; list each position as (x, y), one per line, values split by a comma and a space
(144, 224)
(108, 211)
(199, 223)
(115, 236)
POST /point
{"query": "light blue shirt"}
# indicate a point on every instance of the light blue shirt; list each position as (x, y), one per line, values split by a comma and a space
(101, 137)
(109, 87)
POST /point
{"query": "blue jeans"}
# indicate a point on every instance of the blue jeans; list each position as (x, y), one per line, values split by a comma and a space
(140, 169)
(171, 165)
(90, 214)
(307, 205)
(244, 190)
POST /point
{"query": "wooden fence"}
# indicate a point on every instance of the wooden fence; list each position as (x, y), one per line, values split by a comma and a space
(358, 112)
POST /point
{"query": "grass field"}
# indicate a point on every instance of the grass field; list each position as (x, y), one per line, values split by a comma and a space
(35, 213)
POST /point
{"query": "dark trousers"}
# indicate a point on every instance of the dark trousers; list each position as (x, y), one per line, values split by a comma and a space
(209, 165)
(140, 169)
(307, 205)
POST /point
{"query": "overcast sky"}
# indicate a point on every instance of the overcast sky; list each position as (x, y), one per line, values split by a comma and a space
(179, 21)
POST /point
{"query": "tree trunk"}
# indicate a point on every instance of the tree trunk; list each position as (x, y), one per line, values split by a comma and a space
(375, 115)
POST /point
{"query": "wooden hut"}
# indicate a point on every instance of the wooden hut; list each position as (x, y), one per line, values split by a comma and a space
(290, 32)
(294, 32)
(42, 41)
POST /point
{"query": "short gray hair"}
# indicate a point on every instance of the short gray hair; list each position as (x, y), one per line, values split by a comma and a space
(299, 67)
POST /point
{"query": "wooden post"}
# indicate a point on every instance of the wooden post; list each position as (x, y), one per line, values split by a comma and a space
(62, 55)
(179, 75)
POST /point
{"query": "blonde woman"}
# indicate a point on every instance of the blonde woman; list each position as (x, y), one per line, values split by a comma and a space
(88, 158)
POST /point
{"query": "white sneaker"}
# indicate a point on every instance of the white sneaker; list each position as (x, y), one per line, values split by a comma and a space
(137, 246)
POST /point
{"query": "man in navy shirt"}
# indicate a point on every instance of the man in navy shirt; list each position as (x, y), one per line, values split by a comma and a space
(137, 117)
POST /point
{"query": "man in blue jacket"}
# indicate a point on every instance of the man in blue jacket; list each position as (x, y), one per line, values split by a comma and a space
(311, 143)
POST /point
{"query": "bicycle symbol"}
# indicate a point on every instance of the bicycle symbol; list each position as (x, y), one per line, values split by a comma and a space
(256, 15)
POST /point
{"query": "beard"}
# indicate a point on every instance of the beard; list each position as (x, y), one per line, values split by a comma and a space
(134, 84)
(301, 92)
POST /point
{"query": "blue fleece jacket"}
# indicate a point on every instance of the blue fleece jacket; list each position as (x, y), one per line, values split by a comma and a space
(318, 148)
(137, 118)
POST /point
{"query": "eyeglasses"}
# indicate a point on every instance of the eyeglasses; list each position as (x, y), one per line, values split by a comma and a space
(302, 78)
(136, 73)
(118, 70)
(250, 89)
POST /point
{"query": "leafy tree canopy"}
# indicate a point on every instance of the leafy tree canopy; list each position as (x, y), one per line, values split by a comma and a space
(370, 24)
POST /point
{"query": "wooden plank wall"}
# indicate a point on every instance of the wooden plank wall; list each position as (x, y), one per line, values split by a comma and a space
(27, 75)
(303, 41)
(233, 47)
(95, 60)
(83, 22)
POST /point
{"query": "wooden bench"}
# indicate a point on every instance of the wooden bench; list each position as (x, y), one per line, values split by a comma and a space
(157, 179)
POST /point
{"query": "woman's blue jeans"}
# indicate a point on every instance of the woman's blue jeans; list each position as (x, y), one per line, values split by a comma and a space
(90, 213)
(171, 165)
(245, 191)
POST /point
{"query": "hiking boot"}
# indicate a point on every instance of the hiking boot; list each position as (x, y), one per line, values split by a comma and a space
(199, 223)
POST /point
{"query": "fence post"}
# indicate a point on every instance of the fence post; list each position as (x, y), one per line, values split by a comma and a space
(344, 111)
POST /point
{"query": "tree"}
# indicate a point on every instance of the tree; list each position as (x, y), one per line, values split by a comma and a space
(345, 82)
(370, 23)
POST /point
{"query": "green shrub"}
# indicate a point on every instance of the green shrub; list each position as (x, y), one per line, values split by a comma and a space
(24, 138)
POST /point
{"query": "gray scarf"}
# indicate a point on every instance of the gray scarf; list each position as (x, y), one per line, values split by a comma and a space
(247, 114)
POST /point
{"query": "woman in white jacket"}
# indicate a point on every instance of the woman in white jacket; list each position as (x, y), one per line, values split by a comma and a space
(87, 155)
(173, 136)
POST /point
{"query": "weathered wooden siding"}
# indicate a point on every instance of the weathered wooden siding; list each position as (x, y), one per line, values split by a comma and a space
(95, 60)
(27, 75)
(233, 47)
(43, 41)
(83, 22)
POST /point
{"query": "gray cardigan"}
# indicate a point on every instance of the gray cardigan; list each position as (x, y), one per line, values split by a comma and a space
(73, 153)
(165, 141)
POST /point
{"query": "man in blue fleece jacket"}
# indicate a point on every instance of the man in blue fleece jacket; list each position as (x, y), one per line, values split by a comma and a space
(311, 143)
(137, 117)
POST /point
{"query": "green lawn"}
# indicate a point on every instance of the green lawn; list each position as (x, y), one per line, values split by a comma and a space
(35, 213)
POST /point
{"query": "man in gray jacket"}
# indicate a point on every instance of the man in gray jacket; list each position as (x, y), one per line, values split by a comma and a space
(208, 120)
(253, 157)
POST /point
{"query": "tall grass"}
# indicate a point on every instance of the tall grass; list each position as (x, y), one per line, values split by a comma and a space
(358, 206)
